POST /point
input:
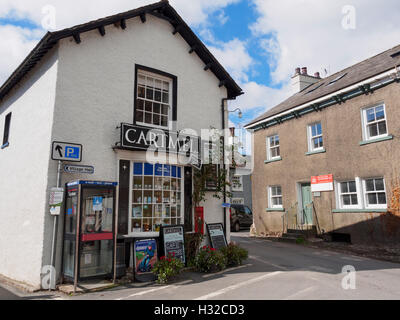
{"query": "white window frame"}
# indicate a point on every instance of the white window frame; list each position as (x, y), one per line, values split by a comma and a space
(269, 148)
(141, 234)
(270, 197)
(365, 193)
(365, 124)
(311, 137)
(338, 188)
(170, 102)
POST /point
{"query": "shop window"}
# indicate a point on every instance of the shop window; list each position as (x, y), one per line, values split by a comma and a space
(374, 122)
(315, 137)
(273, 148)
(275, 197)
(375, 193)
(156, 197)
(153, 100)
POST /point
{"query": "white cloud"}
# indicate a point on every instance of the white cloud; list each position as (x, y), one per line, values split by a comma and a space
(16, 43)
(233, 55)
(310, 33)
(259, 96)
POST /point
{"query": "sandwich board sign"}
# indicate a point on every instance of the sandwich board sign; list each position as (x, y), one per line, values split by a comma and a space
(173, 241)
(63, 151)
(217, 235)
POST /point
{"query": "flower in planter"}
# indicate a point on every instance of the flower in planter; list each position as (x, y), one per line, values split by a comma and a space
(209, 260)
(167, 268)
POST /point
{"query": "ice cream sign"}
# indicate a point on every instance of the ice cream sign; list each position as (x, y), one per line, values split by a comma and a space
(322, 183)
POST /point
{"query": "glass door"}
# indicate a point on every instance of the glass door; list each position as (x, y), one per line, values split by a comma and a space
(97, 236)
(70, 221)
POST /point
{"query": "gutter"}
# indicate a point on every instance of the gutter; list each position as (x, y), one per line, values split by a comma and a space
(340, 96)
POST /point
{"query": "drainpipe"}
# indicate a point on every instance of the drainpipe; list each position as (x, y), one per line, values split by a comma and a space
(224, 100)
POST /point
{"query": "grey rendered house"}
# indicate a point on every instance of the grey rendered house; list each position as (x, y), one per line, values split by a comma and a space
(327, 157)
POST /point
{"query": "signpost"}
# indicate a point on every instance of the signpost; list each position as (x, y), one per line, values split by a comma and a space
(173, 241)
(63, 151)
(217, 235)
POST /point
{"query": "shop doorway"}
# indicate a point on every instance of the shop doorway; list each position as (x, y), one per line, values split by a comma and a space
(188, 199)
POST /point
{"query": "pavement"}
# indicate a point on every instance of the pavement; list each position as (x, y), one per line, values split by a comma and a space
(274, 271)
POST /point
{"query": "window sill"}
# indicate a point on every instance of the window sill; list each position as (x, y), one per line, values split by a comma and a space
(359, 211)
(275, 210)
(5, 145)
(273, 160)
(315, 152)
(363, 143)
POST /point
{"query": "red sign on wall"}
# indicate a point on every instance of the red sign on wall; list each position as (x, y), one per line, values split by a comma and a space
(322, 183)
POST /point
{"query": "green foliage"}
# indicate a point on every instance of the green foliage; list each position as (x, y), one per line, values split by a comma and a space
(167, 268)
(209, 260)
(200, 178)
(192, 246)
(300, 241)
(235, 255)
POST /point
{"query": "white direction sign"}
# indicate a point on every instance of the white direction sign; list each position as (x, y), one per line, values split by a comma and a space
(63, 151)
(75, 169)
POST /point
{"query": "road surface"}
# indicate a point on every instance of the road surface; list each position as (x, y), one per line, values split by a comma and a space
(277, 271)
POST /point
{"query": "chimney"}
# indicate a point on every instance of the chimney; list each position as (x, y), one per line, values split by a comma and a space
(302, 79)
(317, 75)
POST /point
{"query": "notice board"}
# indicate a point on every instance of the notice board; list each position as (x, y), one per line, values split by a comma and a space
(173, 241)
(217, 235)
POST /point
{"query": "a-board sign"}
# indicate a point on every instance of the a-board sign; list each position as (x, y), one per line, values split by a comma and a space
(217, 235)
(173, 241)
(145, 256)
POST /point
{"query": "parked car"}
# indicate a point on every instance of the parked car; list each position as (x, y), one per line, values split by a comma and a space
(241, 217)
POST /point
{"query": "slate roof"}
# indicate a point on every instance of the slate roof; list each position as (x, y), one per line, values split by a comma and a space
(357, 73)
(162, 10)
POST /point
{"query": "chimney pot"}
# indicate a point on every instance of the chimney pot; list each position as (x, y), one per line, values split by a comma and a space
(317, 75)
(304, 71)
(297, 71)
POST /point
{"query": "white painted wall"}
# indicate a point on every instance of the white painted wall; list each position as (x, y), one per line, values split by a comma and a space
(23, 172)
(95, 93)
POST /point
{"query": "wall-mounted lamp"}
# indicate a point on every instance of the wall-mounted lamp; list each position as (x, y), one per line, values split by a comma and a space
(240, 112)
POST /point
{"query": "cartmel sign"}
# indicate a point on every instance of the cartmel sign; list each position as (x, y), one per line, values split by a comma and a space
(217, 235)
(173, 242)
(141, 138)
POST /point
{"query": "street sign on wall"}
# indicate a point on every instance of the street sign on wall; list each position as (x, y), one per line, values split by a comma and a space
(322, 183)
(63, 151)
(75, 169)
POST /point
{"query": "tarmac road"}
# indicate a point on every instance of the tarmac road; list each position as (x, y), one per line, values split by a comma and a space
(277, 271)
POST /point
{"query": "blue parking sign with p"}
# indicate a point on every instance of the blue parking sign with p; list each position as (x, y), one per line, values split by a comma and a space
(72, 152)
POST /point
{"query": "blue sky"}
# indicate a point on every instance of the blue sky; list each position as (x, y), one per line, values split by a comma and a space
(260, 42)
